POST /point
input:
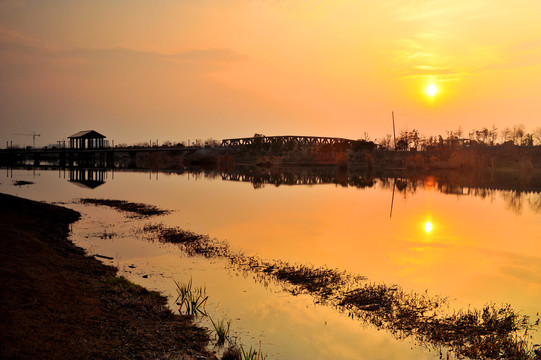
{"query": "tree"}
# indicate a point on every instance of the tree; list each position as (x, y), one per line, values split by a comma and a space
(459, 132)
(518, 133)
(527, 140)
(402, 144)
(404, 140)
(493, 134)
(385, 142)
(484, 135)
(537, 136)
(414, 137)
(506, 134)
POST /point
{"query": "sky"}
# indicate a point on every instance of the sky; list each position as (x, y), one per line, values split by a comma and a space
(179, 70)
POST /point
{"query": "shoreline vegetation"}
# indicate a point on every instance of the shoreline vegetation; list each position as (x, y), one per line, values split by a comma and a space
(57, 302)
(359, 155)
(517, 151)
(490, 332)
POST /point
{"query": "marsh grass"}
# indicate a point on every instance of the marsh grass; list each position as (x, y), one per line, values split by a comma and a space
(192, 299)
(190, 242)
(252, 354)
(22, 183)
(221, 327)
(137, 209)
(491, 332)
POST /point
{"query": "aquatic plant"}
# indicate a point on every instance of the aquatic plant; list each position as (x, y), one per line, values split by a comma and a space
(22, 182)
(192, 299)
(137, 209)
(252, 354)
(472, 333)
(222, 330)
(232, 353)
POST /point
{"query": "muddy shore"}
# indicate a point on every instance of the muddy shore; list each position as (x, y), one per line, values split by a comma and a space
(56, 302)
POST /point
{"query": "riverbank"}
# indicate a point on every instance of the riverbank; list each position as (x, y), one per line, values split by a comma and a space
(56, 302)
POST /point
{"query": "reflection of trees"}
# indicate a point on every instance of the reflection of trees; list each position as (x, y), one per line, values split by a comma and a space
(534, 200)
(513, 201)
(486, 186)
(259, 177)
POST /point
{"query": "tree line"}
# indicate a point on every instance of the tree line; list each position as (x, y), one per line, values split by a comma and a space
(517, 135)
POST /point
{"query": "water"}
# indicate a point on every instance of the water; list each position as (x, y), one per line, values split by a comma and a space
(484, 246)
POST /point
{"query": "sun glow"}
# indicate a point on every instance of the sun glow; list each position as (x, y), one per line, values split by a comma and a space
(428, 227)
(431, 90)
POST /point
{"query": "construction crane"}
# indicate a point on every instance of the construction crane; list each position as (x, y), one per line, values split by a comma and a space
(33, 138)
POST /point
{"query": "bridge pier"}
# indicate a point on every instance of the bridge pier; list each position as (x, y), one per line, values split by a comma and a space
(110, 159)
(62, 159)
(132, 159)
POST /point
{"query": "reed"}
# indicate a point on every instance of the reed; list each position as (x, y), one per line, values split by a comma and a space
(222, 330)
(477, 333)
(192, 299)
(252, 354)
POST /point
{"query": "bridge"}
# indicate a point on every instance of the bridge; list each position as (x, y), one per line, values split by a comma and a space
(103, 156)
(287, 139)
(106, 155)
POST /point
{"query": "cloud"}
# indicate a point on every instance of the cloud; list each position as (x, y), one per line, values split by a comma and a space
(15, 47)
(522, 54)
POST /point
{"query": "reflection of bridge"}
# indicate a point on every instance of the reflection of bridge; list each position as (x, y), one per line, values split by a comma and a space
(288, 139)
(297, 177)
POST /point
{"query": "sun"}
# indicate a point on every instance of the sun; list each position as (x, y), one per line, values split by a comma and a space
(431, 90)
(428, 227)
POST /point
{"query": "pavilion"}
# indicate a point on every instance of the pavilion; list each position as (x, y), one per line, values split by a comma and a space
(88, 139)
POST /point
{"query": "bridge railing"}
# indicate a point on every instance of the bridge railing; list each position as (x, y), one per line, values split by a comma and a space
(297, 140)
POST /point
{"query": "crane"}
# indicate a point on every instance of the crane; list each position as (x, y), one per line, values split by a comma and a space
(33, 138)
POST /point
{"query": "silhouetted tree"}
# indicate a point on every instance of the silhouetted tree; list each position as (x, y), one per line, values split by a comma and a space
(402, 144)
(385, 142)
(518, 134)
(493, 134)
(506, 135)
(527, 140)
(537, 136)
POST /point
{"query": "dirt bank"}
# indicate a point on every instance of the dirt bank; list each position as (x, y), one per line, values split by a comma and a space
(55, 302)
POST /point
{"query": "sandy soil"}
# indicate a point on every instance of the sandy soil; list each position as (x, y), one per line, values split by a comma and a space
(55, 302)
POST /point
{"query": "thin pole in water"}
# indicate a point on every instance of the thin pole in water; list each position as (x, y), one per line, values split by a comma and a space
(394, 132)
(392, 199)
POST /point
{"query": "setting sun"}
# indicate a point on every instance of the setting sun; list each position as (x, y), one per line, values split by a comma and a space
(431, 90)
(428, 227)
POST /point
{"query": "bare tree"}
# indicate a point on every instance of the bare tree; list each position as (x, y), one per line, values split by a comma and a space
(537, 136)
(484, 135)
(518, 133)
(506, 134)
(493, 134)
(385, 142)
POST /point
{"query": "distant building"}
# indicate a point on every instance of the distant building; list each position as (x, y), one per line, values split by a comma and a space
(88, 139)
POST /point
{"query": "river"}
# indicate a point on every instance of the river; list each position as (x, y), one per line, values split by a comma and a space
(472, 245)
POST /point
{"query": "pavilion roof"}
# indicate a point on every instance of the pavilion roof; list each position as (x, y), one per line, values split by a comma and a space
(87, 134)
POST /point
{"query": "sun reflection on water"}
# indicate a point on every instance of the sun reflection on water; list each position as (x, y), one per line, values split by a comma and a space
(428, 227)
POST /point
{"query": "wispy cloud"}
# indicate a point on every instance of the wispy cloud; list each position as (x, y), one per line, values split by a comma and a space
(16, 47)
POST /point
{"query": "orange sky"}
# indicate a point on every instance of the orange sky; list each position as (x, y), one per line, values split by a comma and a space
(182, 69)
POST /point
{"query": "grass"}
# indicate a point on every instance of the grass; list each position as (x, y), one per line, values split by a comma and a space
(192, 299)
(222, 330)
(138, 209)
(252, 354)
(490, 332)
(22, 182)
(123, 283)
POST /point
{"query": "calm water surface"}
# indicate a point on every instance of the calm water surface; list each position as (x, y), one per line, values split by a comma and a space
(481, 249)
